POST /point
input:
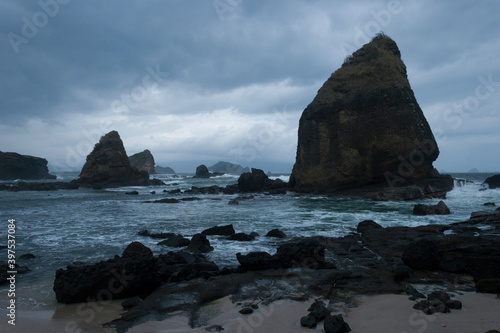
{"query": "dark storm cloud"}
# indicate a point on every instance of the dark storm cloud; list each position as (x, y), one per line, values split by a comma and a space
(67, 64)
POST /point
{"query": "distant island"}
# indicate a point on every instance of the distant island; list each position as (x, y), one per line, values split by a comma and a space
(228, 168)
(164, 170)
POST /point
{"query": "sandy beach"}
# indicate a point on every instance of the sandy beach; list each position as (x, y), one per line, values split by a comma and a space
(374, 314)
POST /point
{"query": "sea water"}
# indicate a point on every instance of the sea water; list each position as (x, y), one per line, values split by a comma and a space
(86, 225)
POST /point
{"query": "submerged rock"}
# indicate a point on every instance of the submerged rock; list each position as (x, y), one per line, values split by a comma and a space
(439, 209)
(143, 161)
(15, 166)
(365, 130)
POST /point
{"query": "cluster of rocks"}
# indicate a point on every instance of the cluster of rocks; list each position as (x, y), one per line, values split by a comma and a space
(493, 182)
(438, 301)
(439, 209)
(317, 313)
(137, 272)
(200, 243)
(109, 166)
(373, 259)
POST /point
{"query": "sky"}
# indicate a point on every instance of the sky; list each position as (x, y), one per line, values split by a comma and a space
(203, 81)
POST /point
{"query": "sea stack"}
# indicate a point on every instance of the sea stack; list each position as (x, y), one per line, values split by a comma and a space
(108, 166)
(143, 161)
(364, 134)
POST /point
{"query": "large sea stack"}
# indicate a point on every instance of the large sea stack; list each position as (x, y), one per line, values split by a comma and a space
(108, 165)
(143, 161)
(15, 166)
(364, 134)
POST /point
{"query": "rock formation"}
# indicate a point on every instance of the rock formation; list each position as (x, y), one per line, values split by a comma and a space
(15, 166)
(202, 172)
(493, 181)
(365, 130)
(229, 168)
(165, 170)
(257, 181)
(108, 166)
(143, 161)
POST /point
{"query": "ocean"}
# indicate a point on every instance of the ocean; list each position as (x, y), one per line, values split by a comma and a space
(86, 225)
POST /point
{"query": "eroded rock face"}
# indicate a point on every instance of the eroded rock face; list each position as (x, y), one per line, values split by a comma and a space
(143, 161)
(108, 165)
(15, 166)
(493, 181)
(365, 127)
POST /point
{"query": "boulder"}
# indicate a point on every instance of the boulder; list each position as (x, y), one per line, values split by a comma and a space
(439, 209)
(493, 181)
(175, 241)
(202, 171)
(108, 166)
(392, 159)
(15, 166)
(133, 274)
(257, 181)
(200, 243)
(276, 233)
(225, 230)
(367, 225)
(336, 324)
(143, 161)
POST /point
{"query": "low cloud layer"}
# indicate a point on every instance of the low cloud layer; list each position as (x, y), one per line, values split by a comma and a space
(228, 80)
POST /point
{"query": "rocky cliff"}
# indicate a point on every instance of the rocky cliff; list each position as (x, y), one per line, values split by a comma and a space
(108, 165)
(15, 166)
(143, 161)
(364, 133)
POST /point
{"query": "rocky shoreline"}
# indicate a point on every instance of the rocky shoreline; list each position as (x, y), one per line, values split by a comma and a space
(460, 257)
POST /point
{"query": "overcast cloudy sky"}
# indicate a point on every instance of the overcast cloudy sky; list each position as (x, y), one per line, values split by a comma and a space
(201, 81)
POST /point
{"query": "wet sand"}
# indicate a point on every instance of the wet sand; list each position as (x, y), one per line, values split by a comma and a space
(382, 313)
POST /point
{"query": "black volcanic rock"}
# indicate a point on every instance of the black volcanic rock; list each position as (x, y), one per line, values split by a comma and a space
(365, 129)
(257, 181)
(133, 274)
(493, 181)
(439, 209)
(15, 166)
(143, 161)
(225, 230)
(108, 166)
